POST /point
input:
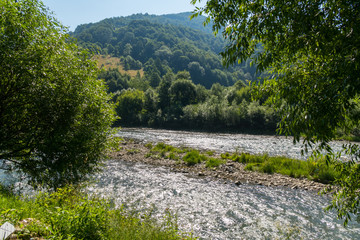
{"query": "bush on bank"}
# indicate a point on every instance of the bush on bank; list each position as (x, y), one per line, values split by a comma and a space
(71, 214)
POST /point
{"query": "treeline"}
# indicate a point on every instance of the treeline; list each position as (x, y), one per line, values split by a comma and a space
(145, 41)
(176, 102)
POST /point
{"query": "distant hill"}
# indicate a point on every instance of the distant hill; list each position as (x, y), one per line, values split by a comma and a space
(157, 44)
(182, 19)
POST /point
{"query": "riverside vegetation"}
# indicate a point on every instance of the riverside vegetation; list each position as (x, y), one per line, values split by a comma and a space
(55, 128)
(165, 72)
(69, 213)
(314, 70)
(68, 139)
(237, 167)
(313, 170)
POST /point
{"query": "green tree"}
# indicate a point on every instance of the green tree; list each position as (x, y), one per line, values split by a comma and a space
(154, 78)
(130, 104)
(182, 92)
(127, 49)
(55, 115)
(163, 90)
(312, 48)
(114, 79)
(196, 71)
(183, 75)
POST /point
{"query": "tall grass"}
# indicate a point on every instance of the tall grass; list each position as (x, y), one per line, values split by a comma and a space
(194, 157)
(318, 170)
(71, 214)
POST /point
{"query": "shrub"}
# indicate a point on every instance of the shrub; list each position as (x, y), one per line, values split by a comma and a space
(252, 166)
(193, 157)
(163, 147)
(267, 167)
(214, 162)
(75, 215)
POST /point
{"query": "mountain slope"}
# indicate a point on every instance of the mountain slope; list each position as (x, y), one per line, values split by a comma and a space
(162, 43)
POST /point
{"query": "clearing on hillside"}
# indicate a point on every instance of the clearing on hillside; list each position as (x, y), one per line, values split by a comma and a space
(106, 61)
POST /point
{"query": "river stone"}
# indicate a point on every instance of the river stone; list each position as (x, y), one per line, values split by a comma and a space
(6, 230)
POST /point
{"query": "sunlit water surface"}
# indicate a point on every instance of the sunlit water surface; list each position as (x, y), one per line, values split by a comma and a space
(213, 209)
(223, 142)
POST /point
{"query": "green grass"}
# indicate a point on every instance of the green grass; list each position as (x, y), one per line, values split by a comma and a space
(214, 162)
(162, 150)
(210, 153)
(315, 170)
(71, 214)
(194, 157)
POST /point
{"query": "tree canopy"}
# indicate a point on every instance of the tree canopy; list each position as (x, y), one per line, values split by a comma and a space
(312, 49)
(55, 115)
(158, 43)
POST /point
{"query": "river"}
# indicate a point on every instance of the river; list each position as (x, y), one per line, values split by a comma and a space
(223, 142)
(213, 209)
(216, 209)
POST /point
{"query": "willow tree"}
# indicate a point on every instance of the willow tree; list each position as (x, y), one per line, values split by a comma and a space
(312, 47)
(55, 116)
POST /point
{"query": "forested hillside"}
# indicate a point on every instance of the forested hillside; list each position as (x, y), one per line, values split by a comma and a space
(158, 44)
(165, 71)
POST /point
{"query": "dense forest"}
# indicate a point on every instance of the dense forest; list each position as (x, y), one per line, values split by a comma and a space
(179, 80)
(166, 71)
(158, 45)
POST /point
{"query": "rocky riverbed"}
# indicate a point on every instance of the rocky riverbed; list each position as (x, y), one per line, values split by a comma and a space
(230, 171)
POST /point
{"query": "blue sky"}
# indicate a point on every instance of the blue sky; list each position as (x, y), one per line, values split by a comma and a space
(74, 12)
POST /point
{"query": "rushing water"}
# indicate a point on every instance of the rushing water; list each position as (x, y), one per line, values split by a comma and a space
(213, 209)
(273, 145)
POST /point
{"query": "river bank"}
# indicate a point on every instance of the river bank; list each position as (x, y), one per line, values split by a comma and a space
(229, 171)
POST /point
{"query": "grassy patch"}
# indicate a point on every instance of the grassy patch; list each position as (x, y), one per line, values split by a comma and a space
(210, 153)
(214, 162)
(314, 170)
(133, 151)
(194, 157)
(149, 145)
(162, 150)
(108, 62)
(71, 214)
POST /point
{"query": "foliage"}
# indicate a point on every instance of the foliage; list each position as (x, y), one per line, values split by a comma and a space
(129, 105)
(114, 80)
(161, 149)
(213, 162)
(194, 157)
(163, 43)
(55, 116)
(172, 65)
(177, 102)
(312, 49)
(317, 170)
(182, 92)
(69, 213)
